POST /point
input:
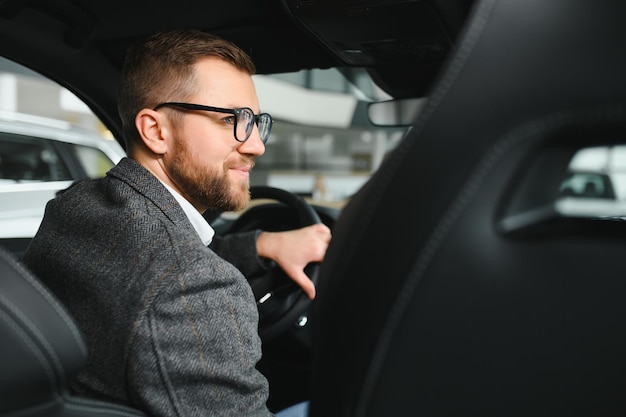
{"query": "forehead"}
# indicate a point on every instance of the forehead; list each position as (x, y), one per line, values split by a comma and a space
(220, 83)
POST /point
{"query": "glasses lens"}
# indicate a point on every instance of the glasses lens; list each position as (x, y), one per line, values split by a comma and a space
(264, 122)
(245, 123)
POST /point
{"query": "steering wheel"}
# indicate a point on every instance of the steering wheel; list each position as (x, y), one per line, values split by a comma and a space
(281, 302)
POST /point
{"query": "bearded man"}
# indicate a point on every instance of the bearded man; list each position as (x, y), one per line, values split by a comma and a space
(171, 324)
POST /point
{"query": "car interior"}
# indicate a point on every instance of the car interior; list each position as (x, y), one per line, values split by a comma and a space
(456, 283)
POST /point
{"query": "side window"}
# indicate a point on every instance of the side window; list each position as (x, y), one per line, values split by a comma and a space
(25, 159)
(588, 184)
(48, 139)
(93, 160)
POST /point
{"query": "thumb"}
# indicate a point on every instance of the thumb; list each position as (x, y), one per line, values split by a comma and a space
(300, 278)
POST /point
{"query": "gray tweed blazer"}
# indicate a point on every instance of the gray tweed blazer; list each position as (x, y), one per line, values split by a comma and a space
(172, 328)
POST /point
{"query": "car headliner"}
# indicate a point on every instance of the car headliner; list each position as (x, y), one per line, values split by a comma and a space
(81, 43)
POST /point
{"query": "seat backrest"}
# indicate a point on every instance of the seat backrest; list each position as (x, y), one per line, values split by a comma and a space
(41, 350)
(454, 283)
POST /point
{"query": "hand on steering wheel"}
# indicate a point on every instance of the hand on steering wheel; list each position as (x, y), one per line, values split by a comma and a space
(281, 302)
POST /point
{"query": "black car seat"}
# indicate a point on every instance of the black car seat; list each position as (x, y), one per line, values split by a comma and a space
(453, 285)
(41, 350)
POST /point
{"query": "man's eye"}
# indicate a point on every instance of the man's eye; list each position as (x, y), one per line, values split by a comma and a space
(229, 120)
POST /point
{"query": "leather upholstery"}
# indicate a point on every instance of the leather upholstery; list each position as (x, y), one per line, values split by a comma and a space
(452, 286)
(41, 350)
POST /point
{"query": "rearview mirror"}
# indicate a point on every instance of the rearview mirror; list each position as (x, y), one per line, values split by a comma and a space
(400, 112)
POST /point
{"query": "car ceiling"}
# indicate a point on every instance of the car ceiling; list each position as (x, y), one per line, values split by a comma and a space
(81, 43)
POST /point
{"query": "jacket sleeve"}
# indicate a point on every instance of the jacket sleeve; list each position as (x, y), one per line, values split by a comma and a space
(240, 250)
(197, 345)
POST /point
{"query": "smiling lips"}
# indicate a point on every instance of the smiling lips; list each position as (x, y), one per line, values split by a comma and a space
(243, 167)
(243, 170)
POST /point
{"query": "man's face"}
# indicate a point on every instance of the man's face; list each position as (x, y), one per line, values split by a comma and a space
(205, 162)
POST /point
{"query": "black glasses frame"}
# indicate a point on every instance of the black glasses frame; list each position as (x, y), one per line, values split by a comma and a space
(266, 118)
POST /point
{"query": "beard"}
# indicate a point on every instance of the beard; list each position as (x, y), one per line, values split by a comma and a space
(206, 186)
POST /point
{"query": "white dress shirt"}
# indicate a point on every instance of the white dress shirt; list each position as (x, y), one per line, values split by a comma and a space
(203, 228)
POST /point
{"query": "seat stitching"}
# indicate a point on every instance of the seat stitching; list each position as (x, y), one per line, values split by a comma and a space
(43, 292)
(29, 343)
(36, 332)
(479, 20)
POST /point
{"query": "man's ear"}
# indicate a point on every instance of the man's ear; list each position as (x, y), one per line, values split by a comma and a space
(153, 130)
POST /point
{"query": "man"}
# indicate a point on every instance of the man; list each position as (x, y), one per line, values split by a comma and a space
(171, 326)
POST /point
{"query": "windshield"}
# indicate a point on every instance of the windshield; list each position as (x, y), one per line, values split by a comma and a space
(322, 145)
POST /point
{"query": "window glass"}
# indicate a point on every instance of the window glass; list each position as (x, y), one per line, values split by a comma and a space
(595, 185)
(588, 184)
(322, 145)
(93, 160)
(48, 139)
(30, 159)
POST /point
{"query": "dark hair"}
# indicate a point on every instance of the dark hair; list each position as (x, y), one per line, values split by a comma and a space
(161, 69)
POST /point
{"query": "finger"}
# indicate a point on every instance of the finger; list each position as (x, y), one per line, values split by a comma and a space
(300, 278)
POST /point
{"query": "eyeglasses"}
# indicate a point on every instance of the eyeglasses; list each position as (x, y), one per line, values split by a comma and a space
(244, 119)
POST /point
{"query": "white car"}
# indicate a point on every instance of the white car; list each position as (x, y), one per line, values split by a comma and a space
(38, 158)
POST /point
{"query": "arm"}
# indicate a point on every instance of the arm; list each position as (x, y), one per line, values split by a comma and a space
(197, 346)
(291, 250)
(240, 249)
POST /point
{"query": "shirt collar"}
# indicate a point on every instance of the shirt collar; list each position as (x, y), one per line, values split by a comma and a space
(202, 227)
